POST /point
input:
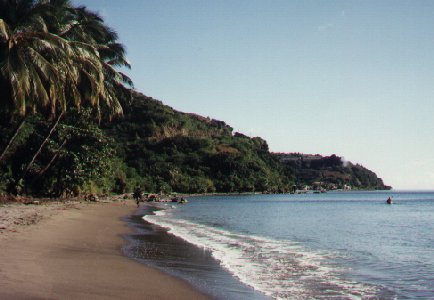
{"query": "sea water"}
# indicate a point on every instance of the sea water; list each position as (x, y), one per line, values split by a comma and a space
(338, 245)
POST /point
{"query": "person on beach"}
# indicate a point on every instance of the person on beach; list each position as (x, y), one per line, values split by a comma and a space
(137, 195)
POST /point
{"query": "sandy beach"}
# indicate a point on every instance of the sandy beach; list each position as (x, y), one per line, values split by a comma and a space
(74, 252)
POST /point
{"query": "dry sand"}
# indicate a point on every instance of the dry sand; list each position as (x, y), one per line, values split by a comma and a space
(75, 253)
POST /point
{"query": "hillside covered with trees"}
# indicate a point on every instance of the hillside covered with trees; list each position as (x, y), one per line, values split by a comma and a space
(166, 150)
(161, 149)
(328, 172)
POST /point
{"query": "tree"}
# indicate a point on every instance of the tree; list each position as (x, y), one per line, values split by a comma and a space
(53, 56)
(78, 154)
(87, 28)
(36, 66)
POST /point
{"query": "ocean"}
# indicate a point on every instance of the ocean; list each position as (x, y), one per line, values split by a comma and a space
(337, 245)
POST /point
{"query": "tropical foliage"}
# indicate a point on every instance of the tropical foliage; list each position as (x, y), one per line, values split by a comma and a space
(329, 172)
(76, 159)
(166, 150)
(54, 57)
(173, 151)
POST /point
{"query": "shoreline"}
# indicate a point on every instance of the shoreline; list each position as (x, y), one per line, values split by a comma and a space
(155, 246)
(76, 252)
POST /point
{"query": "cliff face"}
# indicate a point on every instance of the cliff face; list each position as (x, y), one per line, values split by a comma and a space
(162, 149)
(148, 118)
(329, 172)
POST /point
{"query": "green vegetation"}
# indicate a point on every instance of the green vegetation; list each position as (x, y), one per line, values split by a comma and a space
(78, 157)
(55, 59)
(329, 172)
(70, 124)
(165, 150)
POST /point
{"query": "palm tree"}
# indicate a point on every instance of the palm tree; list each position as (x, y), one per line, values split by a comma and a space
(29, 59)
(88, 28)
(29, 76)
(53, 55)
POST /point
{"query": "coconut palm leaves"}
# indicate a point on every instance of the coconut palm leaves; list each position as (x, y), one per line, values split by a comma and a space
(89, 26)
(53, 55)
(31, 69)
(86, 29)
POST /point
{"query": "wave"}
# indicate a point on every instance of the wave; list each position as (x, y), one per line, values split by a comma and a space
(279, 268)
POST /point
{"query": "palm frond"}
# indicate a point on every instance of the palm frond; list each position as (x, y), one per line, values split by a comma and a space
(4, 30)
(58, 55)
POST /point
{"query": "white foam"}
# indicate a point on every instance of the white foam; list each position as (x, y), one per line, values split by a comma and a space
(278, 268)
(160, 212)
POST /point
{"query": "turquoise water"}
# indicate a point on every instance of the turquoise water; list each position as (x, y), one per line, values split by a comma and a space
(342, 245)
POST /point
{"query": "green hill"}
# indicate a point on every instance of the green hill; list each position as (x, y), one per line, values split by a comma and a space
(160, 149)
(164, 149)
(167, 150)
(329, 172)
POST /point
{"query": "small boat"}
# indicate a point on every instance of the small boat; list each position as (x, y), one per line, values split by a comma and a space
(389, 201)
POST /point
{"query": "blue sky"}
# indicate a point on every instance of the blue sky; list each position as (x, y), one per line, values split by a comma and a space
(352, 78)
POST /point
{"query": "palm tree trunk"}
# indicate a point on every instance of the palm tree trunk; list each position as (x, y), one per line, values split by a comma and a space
(53, 127)
(52, 159)
(12, 139)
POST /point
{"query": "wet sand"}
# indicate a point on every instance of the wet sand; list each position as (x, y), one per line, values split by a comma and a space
(76, 254)
(154, 246)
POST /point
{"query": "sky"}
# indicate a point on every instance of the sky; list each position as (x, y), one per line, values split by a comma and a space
(351, 78)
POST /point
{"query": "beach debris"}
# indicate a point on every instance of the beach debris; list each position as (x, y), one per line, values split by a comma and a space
(34, 202)
(12, 216)
(153, 198)
(91, 198)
